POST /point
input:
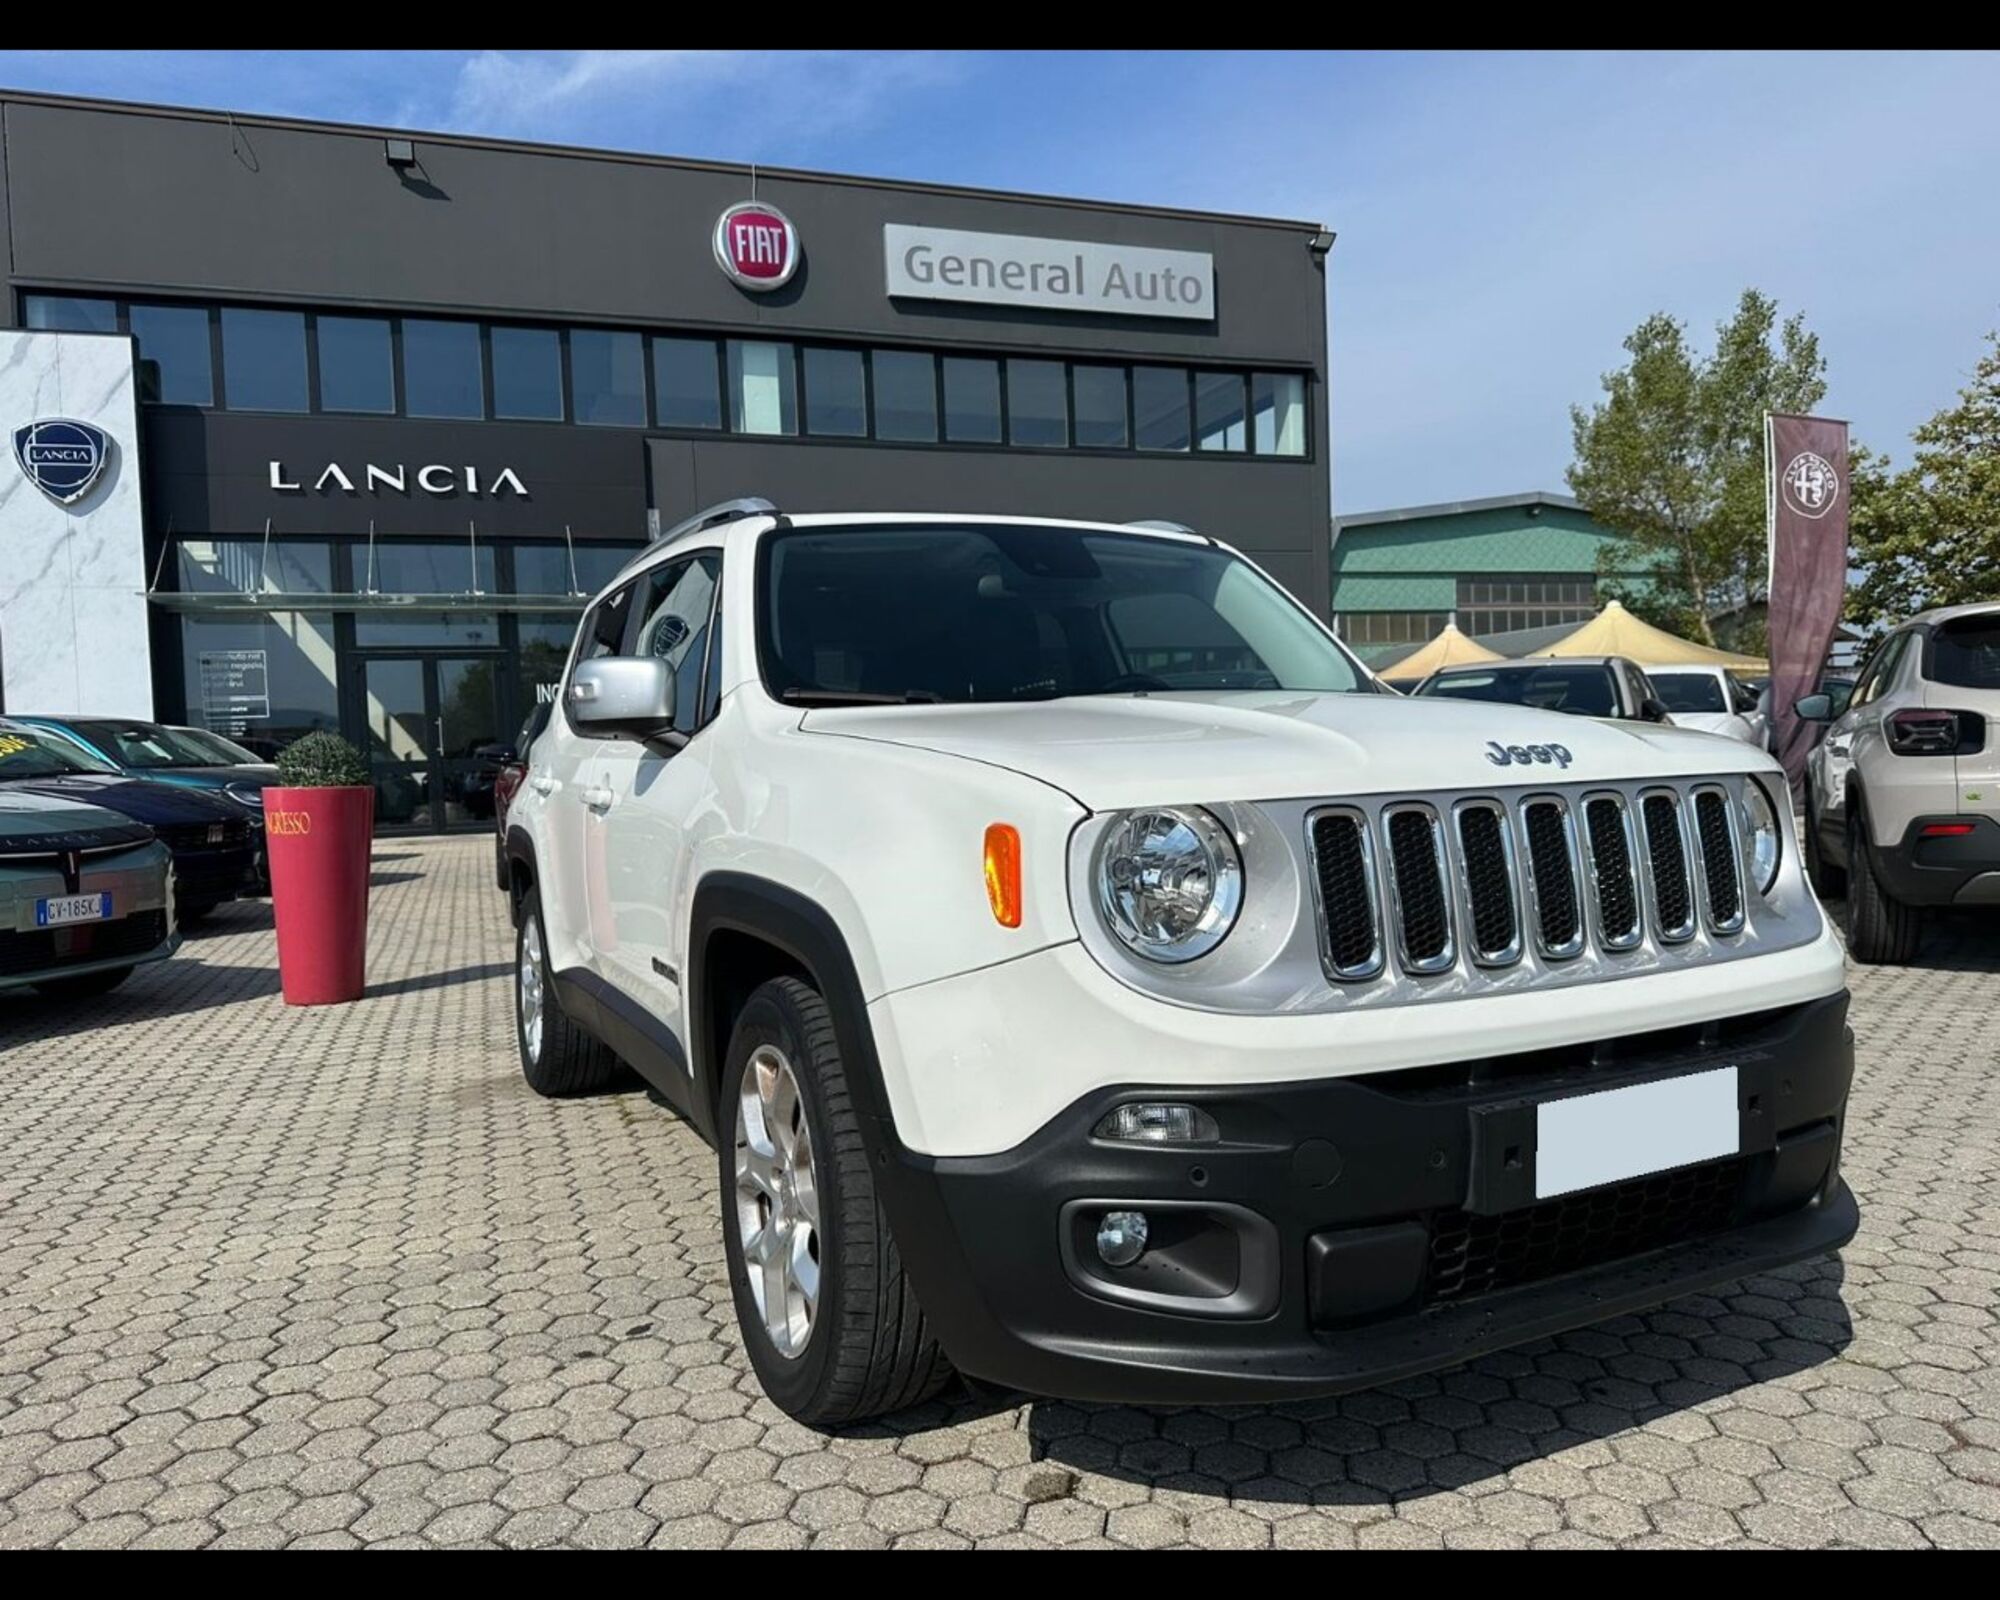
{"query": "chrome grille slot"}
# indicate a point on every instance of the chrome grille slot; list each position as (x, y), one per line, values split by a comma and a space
(1721, 871)
(1552, 877)
(1343, 862)
(1486, 874)
(1614, 872)
(1667, 859)
(1421, 904)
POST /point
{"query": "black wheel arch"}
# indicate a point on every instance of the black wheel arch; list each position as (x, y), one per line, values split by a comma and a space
(521, 874)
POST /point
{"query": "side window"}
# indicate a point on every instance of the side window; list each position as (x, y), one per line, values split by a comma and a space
(602, 633)
(1880, 671)
(675, 608)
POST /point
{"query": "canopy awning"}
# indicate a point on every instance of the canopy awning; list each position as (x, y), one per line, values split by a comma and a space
(1614, 631)
(1449, 649)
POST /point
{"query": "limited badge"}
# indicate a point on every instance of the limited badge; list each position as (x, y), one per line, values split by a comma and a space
(62, 457)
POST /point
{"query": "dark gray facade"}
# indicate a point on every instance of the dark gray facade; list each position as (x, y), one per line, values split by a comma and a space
(115, 211)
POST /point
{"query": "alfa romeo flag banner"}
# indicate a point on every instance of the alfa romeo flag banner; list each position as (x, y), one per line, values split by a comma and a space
(1806, 512)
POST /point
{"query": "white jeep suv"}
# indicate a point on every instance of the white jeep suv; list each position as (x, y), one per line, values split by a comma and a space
(1903, 793)
(1090, 979)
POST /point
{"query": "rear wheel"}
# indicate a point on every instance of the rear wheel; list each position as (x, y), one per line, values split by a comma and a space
(1881, 930)
(557, 1057)
(829, 1320)
(85, 985)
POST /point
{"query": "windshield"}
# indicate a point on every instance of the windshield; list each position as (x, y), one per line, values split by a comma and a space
(27, 753)
(971, 613)
(1584, 691)
(148, 745)
(1688, 691)
(224, 753)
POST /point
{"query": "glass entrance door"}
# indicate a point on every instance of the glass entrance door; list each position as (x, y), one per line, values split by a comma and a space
(433, 737)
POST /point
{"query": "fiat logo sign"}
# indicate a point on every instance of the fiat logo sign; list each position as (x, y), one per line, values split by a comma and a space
(757, 246)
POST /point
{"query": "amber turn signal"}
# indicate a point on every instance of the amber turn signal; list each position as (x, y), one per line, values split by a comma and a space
(1003, 873)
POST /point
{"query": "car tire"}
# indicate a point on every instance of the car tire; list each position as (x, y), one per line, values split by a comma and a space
(557, 1057)
(793, 1163)
(1829, 881)
(85, 985)
(1881, 931)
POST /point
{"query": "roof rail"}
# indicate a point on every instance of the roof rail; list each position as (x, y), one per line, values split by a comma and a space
(1161, 525)
(726, 511)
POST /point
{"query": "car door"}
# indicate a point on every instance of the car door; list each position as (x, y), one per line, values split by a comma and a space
(560, 767)
(1856, 739)
(646, 796)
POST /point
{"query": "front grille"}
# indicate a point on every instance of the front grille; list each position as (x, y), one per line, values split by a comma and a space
(1344, 872)
(45, 948)
(1475, 1255)
(1666, 850)
(1416, 863)
(1718, 860)
(1556, 877)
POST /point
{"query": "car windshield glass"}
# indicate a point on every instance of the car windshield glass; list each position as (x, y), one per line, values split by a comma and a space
(979, 613)
(147, 745)
(224, 753)
(1587, 691)
(1966, 654)
(1688, 691)
(28, 754)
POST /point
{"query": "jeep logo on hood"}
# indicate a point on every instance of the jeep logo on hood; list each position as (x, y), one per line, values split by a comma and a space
(1526, 755)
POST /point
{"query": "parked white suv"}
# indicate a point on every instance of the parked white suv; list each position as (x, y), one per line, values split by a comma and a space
(1090, 978)
(1903, 793)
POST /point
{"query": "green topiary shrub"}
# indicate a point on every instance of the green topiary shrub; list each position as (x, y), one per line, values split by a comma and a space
(321, 761)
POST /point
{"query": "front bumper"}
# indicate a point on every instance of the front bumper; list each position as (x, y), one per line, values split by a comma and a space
(1348, 1231)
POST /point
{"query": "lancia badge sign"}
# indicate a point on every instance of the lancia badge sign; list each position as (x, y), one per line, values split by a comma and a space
(756, 246)
(62, 457)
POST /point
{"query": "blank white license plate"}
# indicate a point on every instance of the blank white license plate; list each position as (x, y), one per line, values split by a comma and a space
(58, 910)
(1594, 1139)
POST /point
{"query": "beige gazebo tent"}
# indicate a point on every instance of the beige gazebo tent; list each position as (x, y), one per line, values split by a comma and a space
(1449, 649)
(1614, 631)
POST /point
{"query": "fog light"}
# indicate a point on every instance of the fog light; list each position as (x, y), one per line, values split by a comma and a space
(1121, 1237)
(1152, 1122)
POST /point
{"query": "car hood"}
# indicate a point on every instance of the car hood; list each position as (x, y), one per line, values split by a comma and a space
(140, 798)
(1112, 751)
(29, 819)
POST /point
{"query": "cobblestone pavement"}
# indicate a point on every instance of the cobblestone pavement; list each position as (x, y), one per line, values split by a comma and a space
(333, 1277)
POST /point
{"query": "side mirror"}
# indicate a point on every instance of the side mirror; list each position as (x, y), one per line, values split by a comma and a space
(1652, 709)
(1814, 707)
(624, 697)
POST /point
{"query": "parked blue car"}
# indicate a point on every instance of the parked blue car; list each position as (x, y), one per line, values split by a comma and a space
(212, 839)
(190, 757)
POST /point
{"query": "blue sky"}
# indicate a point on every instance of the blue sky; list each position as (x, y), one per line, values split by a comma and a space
(1504, 220)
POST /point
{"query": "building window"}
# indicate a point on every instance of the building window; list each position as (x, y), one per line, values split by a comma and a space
(971, 400)
(527, 374)
(254, 566)
(357, 364)
(687, 388)
(176, 366)
(1390, 627)
(71, 314)
(607, 377)
(262, 680)
(1037, 403)
(395, 567)
(1506, 603)
(442, 370)
(580, 569)
(836, 393)
(1101, 422)
(264, 359)
(763, 391)
(1160, 407)
(1278, 410)
(905, 395)
(1218, 411)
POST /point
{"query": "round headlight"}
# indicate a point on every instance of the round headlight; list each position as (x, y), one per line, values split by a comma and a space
(1169, 882)
(1763, 841)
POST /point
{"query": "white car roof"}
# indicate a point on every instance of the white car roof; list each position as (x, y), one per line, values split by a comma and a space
(1977, 608)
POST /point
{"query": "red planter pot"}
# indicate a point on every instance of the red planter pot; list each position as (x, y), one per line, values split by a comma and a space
(318, 841)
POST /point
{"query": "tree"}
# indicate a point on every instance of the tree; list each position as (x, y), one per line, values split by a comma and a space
(1673, 458)
(1930, 534)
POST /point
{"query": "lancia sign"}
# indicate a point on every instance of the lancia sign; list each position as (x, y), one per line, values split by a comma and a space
(62, 457)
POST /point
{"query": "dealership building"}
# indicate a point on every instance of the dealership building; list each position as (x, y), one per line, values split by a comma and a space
(317, 426)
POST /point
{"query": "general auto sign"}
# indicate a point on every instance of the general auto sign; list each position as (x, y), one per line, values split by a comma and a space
(757, 246)
(1009, 269)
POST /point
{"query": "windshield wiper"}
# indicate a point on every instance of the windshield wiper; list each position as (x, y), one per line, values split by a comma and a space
(859, 697)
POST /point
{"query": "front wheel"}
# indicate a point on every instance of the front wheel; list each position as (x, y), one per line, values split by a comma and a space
(829, 1320)
(85, 985)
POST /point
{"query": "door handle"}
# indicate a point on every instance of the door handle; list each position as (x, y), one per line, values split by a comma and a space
(597, 798)
(542, 785)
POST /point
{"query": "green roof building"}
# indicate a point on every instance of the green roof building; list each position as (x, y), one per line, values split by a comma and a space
(1496, 566)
